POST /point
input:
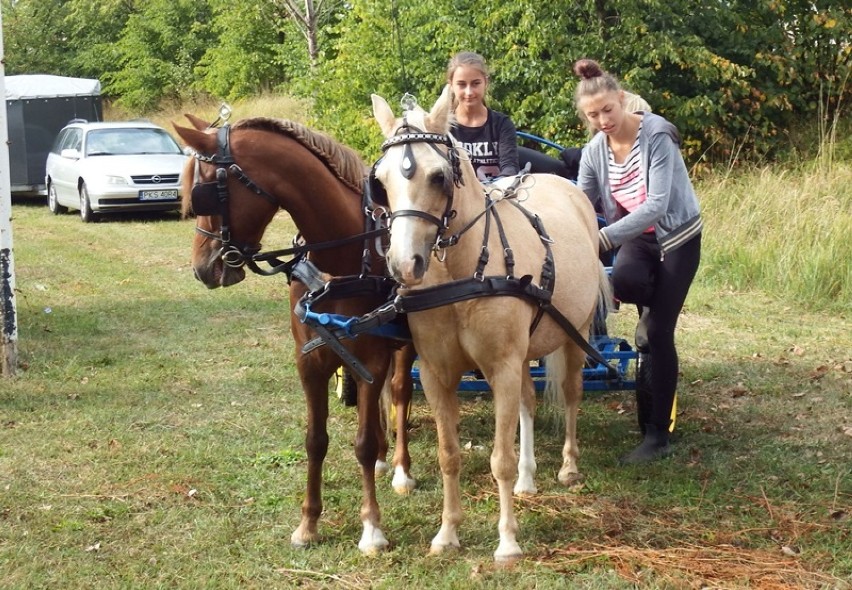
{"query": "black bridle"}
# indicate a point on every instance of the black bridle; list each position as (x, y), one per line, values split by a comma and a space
(406, 135)
(211, 199)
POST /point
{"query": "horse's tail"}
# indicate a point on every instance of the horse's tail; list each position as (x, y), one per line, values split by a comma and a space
(604, 293)
(555, 369)
(188, 178)
(556, 363)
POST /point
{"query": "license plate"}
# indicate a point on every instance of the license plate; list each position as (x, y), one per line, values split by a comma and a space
(161, 195)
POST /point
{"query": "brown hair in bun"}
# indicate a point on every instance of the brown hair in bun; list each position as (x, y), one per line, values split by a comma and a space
(587, 69)
(593, 80)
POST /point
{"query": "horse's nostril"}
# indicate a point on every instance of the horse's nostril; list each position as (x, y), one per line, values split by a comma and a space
(419, 266)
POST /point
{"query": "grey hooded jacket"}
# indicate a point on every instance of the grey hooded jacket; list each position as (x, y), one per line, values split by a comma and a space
(671, 206)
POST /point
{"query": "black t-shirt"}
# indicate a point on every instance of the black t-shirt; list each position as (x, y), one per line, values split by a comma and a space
(493, 147)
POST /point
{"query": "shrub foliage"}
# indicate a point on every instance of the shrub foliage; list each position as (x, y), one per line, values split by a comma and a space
(734, 76)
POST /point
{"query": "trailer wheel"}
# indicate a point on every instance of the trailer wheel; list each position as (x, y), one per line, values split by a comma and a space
(52, 202)
(86, 213)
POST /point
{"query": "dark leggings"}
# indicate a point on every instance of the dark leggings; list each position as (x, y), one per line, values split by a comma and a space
(659, 289)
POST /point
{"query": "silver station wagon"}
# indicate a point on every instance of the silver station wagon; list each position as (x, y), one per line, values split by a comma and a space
(113, 167)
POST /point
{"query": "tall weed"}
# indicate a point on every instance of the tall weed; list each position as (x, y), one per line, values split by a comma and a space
(782, 230)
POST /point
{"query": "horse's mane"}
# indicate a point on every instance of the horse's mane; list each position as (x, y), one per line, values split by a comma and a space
(342, 161)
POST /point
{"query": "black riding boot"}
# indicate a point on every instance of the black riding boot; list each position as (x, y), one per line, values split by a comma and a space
(644, 395)
(654, 446)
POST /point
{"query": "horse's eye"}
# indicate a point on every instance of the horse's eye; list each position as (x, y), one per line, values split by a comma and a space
(437, 178)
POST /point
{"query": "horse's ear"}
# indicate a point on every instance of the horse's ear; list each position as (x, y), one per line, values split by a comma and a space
(439, 117)
(197, 122)
(194, 137)
(383, 114)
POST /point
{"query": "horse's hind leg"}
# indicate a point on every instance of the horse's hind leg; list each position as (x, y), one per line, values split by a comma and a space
(572, 390)
(507, 383)
(386, 405)
(402, 385)
(526, 459)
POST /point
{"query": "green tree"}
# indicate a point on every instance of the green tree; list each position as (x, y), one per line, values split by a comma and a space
(157, 53)
(258, 49)
(94, 28)
(35, 39)
(730, 74)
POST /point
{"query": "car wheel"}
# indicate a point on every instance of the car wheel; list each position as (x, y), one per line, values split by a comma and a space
(86, 213)
(52, 202)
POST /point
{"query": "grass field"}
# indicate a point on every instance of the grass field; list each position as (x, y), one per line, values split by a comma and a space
(154, 439)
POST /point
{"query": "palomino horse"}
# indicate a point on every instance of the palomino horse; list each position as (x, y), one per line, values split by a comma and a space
(248, 172)
(484, 239)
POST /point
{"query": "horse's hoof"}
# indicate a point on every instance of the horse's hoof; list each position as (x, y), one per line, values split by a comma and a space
(301, 540)
(373, 541)
(507, 560)
(373, 550)
(507, 555)
(441, 549)
(382, 468)
(402, 483)
(525, 488)
(571, 479)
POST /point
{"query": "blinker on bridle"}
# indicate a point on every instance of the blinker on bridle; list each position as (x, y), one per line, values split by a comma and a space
(211, 198)
(407, 135)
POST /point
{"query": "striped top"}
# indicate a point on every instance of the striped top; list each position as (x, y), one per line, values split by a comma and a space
(625, 179)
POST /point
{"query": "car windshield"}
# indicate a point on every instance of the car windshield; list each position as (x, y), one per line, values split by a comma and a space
(143, 141)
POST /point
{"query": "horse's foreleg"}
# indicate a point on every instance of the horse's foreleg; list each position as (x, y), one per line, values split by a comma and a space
(526, 460)
(316, 446)
(402, 386)
(506, 384)
(367, 443)
(572, 384)
(445, 407)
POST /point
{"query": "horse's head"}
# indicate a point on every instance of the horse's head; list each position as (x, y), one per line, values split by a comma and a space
(230, 219)
(419, 171)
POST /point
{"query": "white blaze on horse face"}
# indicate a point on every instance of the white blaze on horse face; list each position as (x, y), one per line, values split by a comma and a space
(411, 238)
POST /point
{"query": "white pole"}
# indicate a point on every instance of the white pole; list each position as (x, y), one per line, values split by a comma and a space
(9, 340)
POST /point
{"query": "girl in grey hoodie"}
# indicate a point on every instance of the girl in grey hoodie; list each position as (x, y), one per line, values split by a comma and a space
(633, 173)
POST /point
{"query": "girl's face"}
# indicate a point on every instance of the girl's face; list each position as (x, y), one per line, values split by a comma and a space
(469, 86)
(605, 110)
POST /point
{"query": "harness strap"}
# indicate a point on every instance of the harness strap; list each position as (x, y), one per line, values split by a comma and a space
(329, 327)
(242, 177)
(465, 289)
(508, 254)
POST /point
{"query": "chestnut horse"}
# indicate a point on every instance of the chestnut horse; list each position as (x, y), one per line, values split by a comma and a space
(538, 227)
(248, 172)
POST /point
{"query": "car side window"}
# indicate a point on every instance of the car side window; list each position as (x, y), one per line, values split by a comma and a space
(60, 139)
(74, 140)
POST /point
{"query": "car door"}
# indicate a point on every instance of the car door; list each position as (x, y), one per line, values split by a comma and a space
(65, 172)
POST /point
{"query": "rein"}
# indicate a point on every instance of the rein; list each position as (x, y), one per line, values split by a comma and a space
(211, 198)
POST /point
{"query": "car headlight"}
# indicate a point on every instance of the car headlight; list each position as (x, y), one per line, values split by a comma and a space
(115, 180)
